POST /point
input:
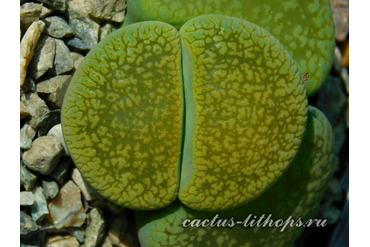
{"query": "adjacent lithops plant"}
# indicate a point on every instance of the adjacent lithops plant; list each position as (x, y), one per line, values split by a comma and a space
(305, 28)
(293, 199)
(213, 114)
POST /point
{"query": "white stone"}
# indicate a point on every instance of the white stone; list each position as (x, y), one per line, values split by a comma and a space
(26, 198)
(27, 134)
(27, 47)
(67, 204)
(56, 132)
(86, 189)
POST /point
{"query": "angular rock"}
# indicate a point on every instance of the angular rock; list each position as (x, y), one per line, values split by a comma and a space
(39, 208)
(45, 12)
(29, 12)
(61, 241)
(24, 111)
(60, 171)
(79, 233)
(89, 192)
(95, 228)
(66, 208)
(26, 198)
(29, 85)
(27, 178)
(77, 59)
(47, 121)
(50, 187)
(26, 135)
(27, 224)
(56, 132)
(59, 5)
(43, 58)
(27, 47)
(77, 44)
(57, 27)
(43, 155)
(53, 90)
(113, 10)
(106, 29)
(36, 106)
(84, 28)
(63, 61)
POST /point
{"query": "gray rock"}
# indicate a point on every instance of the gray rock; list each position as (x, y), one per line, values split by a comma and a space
(39, 208)
(29, 85)
(56, 131)
(26, 135)
(89, 192)
(27, 224)
(27, 178)
(47, 121)
(24, 110)
(77, 59)
(27, 47)
(60, 171)
(95, 228)
(59, 5)
(77, 232)
(63, 61)
(29, 12)
(106, 29)
(50, 187)
(45, 12)
(36, 107)
(53, 90)
(61, 241)
(26, 198)
(43, 155)
(57, 27)
(84, 28)
(43, 58)
(113, 10)
(77, 44)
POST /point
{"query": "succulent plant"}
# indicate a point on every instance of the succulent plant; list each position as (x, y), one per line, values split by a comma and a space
(213, 114)
(305, 28)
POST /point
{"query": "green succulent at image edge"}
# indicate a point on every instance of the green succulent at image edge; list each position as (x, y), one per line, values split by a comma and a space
(124, 121)
(305, 28)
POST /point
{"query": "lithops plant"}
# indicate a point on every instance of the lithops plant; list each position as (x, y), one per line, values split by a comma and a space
(246, 111)
(292, 200)
(212, 114)
(305, 28)
(122, 116)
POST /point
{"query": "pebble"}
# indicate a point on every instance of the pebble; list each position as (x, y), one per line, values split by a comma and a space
(27, 224)
(39, 208)
(89, 192)
(43, 59)
(27, 47)
(47, 121)
(66, 202)
(61, 241)
(36, 107)
(26, 198)
(29, 12)
(57, 27)
(84, 28)
(45, 12)
(59, 5)
(77, 44)
(63, 61)
(61, 170)
(79, 233)
(95, 228)
(106, 29)
(56, 132)
(27, 178)
(113, 10)
(43, 155)
(77, 59)
(50, 89)
(26, 136)
(24, 110)
(50, 187)
(340, 10)
(106, 242)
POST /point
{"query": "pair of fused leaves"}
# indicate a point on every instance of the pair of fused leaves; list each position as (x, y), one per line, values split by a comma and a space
(125, 127)
(304, 27)
(274, 219)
